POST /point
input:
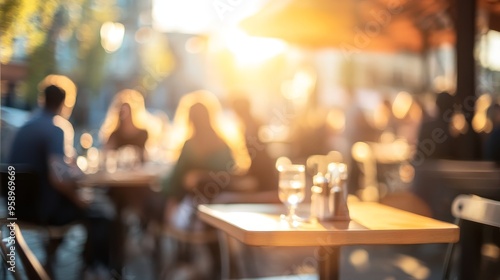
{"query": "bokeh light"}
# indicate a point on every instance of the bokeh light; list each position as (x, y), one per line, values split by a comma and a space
(251, 51)
(402, 104)
(86, 140)
(112, 36)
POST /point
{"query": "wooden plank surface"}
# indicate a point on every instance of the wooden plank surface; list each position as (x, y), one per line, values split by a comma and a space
(372, 223)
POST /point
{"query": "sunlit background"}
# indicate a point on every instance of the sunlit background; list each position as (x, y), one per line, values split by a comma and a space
(357, 77)
(300, 64)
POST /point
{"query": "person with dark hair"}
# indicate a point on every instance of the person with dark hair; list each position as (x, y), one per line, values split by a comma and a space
(262, 166)
(54, 97)
(492, 149)
(126, 123)
(435, 140)
(39, 145)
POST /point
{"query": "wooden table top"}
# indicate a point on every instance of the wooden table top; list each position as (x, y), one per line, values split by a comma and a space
(371, 223)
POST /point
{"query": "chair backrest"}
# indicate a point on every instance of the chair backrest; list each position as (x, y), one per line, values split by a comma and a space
(8, 265)
(475, 177)
(26, 189)
(477, 209)
(32, 267)
(439, 182)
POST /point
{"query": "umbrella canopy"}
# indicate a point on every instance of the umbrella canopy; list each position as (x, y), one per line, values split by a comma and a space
(356, 25)
(492, 8)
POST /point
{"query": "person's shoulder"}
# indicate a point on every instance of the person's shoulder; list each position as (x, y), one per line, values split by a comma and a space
(189, 144)
(113, 135)
(144, 134)
(50, 127)
(495, 133)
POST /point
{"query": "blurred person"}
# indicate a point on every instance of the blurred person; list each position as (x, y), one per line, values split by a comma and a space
(262, 166)
(125, 123)
(448, 135)
(310, 134)
(62, 120)
(360, 128)
(201, 143)
(207, 158)
(439, 139)
(129, 125)
(435, 140)
(39, 144)
(492, 146)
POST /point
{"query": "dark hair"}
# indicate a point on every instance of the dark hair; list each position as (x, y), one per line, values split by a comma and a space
(54, 97)
(444, 101)
(493, 110)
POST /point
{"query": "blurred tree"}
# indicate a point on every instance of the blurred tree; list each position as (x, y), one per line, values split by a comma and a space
(63, 37)
(44, 28)
(28, 19)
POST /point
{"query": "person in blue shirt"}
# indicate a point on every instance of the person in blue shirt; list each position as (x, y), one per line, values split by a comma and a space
(39, 144)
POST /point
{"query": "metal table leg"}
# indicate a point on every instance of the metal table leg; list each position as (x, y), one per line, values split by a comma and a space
(328, 264)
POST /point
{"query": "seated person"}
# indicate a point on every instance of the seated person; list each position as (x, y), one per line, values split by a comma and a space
(124, 129)
(62, 120)
(262, 166)
(209, 155)
(125, 123)
(492, 149)
(203, 153)
(39, 144)
(204, 147)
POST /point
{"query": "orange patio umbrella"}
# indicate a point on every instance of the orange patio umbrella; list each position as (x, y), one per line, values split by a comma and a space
(356, 25)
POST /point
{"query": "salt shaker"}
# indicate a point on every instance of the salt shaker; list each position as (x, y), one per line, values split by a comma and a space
(320, 195)
(338, 192)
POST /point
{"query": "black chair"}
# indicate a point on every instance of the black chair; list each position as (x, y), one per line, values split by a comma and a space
(27, 204)
(438, 182)
(23, 184)
(6, 264)
(190, 237)
(476, 209)
(32, 268)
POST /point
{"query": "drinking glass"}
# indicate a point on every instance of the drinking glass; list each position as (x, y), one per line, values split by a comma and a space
(292, 188)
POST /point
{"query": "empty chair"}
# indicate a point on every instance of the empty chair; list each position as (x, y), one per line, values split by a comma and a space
(476, 209)
(438, 182)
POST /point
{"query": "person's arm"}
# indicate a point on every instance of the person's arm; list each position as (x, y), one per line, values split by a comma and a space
(171, 184)
(63, 176)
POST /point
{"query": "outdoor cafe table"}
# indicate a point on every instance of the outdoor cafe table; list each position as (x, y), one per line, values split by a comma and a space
(128, 189)
(142, 176)
(371, 223)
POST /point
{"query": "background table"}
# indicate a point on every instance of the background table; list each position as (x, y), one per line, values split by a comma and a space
(144, 175)
(134, 190)
(372, 223)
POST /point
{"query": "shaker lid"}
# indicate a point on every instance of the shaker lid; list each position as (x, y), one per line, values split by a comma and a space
(319, 179)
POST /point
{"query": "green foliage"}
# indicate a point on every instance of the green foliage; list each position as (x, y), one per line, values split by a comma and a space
(29, 19)
(41, 64)
(41, 23)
